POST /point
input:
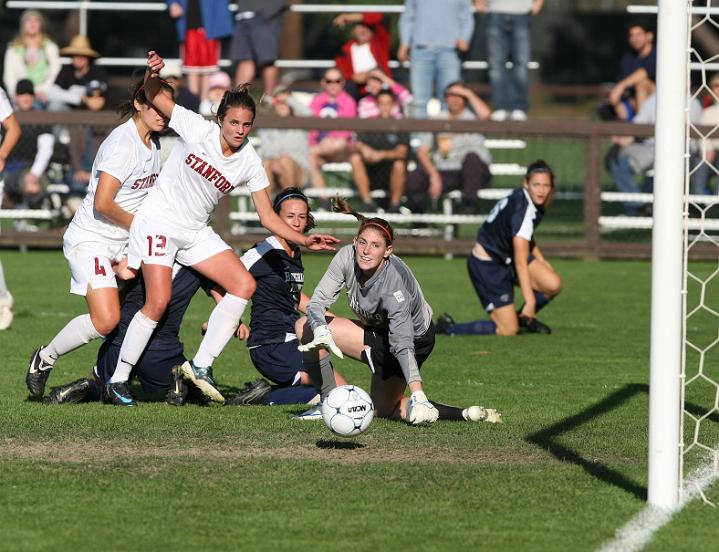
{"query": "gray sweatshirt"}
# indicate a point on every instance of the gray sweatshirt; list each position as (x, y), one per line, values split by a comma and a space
(391, 300)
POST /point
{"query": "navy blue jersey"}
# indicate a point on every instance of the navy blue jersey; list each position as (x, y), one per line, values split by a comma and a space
(515, 215)
(279, 283)
(185, 283)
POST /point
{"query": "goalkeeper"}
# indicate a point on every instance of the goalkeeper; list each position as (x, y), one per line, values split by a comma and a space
(394, 334)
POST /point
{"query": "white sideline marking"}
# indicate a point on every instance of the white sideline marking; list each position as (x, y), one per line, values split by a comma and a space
(639, 530)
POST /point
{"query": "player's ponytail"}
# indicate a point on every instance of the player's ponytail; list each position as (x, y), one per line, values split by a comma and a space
(238, 96)
(294, 192)
(340, 205)
(137, 94)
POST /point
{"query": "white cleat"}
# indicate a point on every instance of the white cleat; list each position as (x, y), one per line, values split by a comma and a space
(314, 413)
(6, 303)
(481, 414)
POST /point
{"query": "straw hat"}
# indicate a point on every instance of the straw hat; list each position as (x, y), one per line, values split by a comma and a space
(79, 46)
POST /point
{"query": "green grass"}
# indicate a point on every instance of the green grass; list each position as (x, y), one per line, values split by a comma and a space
(565, 470)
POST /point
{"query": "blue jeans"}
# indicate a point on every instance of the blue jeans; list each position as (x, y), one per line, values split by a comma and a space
(509, 38)
(624, 177)
(699, 182)
(430, 65)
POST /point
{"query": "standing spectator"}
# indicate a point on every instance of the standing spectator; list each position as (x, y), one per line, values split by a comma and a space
(26, 165)
(285, 152)
(332, 145)
(380, 160)
(458, 162)
(708, 158)
(68, 92)
(432, 34)
(31, 55)
(256, 41)
(509, 38)
(217, 84)
(367, 50)
(377, 81)
(200, 26)
(172, 73)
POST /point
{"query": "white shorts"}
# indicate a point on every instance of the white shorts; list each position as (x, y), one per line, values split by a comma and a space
(91, 262)
(156, 242)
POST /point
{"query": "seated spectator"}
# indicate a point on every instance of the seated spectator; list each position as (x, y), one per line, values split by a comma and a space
(26, 165)
(217, 84)
(332, 145)
(380, 160)
(172, 73)
(68, 92)
(377, 81)
(285, 152)
(456, 161)
(707, 158)
(86, 140)
(31, 55)
(367, 50)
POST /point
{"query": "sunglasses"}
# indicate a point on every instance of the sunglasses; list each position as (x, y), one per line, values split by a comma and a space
(333, 81)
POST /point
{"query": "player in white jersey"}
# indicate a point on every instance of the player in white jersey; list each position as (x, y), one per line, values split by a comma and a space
(210, 159)
(95, 242)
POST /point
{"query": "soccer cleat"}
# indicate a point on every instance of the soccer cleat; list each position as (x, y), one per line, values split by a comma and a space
(37, 374)
(481, 414)
(444, 323)
(118, 393)
(314, 413)
(6, 303)
(532, 325)
(252, 393)
(202, 378)
(177, 393)
(71, 393)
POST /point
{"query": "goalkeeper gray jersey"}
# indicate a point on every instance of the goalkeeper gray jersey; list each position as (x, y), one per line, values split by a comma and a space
(391, 300)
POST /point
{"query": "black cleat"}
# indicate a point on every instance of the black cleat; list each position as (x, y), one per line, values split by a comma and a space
(252, 393)
(444, 323)
(37, 374)
(177, 394)
(71, 393)
(532, 325)
(118, 393)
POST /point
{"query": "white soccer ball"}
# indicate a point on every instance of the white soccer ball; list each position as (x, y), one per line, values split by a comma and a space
(347, 410)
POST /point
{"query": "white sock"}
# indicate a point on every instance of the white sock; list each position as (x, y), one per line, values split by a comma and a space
(220, 328)
(138, 335)
(76, 333)
(3, 286)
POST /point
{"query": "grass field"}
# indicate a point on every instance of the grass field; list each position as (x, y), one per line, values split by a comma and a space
(564, 472)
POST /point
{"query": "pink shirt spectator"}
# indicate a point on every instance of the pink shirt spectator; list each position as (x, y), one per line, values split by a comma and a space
(324, 106)
(367, 106)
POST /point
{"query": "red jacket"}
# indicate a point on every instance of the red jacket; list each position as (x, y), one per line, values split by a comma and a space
(379, 46)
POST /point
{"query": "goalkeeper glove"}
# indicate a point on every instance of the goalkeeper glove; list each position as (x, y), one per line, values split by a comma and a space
(420, 410)
(322, 338)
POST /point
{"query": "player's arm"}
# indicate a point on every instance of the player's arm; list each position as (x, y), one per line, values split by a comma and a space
(162, 102)
(521, 266)
(107, 188)
(11, 133)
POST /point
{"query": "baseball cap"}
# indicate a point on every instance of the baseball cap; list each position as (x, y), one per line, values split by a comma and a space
(220, 79)
(96, 86)
(24, 86)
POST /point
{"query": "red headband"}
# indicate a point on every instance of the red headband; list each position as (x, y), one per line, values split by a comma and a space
(378, 225)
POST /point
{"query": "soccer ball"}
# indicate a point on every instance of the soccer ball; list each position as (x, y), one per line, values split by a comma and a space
(347, 410)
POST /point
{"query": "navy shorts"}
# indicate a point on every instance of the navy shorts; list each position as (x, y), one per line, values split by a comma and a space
(385, 363)
(280, 363)
(256, 39)
(153, 368)
(493, 282)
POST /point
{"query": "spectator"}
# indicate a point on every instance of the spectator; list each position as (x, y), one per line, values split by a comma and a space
(377, 81)
(200, 26)
(637, 74)
(380, 160)
(26, 165)
(172, 73)
(707, 159)
(256, 41)
(68, 92)
(368, 49)
(458, 161)
(9, 137)
(217, 85)
(285, 152)
(86, 140)
(509, 38)
(31, 55)
(333, 145)
(432, 34)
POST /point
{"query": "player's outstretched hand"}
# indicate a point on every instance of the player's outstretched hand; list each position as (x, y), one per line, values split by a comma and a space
(320, 242)
(322, 338)
(420, 410)
(154, 62)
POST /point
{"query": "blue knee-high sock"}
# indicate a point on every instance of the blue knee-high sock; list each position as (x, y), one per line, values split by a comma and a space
(296, 394)
(478, 327)
(540, 301)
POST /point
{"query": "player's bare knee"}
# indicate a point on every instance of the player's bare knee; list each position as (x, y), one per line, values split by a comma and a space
(105, 322)
(300, 327)
(507, 330)
(555, 287)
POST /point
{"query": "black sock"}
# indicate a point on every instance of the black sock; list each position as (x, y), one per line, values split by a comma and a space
(447, 412)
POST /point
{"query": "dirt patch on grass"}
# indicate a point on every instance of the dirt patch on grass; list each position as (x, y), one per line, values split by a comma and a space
(346, 452)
